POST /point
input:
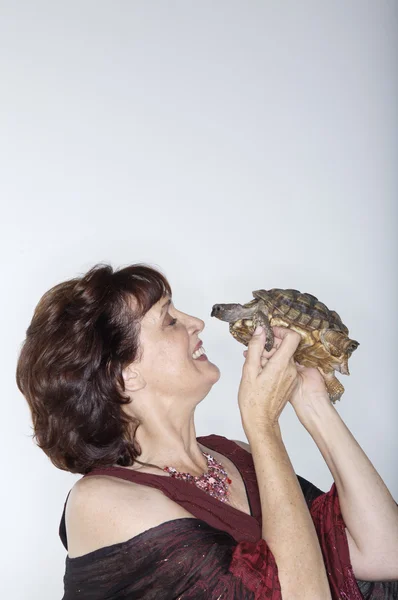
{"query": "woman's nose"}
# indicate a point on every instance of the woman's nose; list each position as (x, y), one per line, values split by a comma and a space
(196, 325)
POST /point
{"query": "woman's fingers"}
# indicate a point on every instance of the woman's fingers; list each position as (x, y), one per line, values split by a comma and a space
(283, 336)
(253, 352)
(265, 355)
(289, 341)
(268, 378)
(268, 355)
(286, 342)
(263, 362)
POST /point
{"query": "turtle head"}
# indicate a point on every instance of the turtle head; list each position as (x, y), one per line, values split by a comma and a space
(227, 312)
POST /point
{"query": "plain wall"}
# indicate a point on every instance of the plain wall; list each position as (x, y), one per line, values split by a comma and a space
(235, 145)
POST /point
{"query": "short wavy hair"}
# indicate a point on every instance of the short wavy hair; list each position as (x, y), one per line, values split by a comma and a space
(83, 333)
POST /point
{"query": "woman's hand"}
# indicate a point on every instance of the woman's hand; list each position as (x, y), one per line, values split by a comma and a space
(268, 379)
(309, 395)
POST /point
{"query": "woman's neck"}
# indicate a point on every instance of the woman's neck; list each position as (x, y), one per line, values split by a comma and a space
(171, 444)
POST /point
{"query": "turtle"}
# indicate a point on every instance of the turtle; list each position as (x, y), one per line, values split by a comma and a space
(325, 343)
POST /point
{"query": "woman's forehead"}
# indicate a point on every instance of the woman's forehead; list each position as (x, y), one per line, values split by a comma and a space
(159, 309)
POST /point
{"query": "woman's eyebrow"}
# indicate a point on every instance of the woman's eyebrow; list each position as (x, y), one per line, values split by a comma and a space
(165, 306)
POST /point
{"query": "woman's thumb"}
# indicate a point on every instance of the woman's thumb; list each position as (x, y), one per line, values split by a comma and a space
(255, 347)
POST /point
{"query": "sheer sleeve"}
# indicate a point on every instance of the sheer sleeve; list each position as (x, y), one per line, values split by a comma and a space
(331, 530)
(184, 559)
(326, 515)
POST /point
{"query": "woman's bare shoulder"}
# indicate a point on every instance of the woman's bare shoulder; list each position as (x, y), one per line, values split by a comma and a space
(102, 511)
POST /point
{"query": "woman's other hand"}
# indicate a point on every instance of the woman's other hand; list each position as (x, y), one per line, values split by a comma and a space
(310, 393)
(268, 379)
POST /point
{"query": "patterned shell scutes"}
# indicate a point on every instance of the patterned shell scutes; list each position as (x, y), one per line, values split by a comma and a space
(302, 309)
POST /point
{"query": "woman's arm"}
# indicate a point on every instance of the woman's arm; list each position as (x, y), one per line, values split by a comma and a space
(267, 382)
(369, 511)
(287, 526)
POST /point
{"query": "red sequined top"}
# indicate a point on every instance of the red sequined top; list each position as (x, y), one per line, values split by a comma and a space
(218, 555)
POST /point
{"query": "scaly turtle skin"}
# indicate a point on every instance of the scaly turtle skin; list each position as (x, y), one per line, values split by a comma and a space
(324, 344)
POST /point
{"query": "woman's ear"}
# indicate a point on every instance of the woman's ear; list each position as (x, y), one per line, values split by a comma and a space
(133, 380)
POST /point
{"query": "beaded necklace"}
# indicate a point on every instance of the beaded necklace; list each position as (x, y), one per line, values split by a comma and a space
(215, 482)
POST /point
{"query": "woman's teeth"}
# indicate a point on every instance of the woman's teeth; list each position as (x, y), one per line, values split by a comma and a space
(198, 352)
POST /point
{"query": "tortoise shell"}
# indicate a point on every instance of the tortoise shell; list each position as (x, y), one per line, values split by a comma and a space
(300, 309)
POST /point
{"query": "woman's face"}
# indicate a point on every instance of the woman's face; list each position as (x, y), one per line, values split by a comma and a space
(167, 366)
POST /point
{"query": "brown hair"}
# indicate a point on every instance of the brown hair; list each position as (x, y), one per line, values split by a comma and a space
(83, 333)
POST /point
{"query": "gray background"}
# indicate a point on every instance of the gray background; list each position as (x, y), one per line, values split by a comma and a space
(236, 145)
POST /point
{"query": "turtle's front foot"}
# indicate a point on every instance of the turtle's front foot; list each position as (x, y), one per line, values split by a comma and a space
(261, 319)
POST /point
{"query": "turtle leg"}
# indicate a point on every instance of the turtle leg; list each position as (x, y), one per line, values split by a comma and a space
(334, 387)
(260, 318)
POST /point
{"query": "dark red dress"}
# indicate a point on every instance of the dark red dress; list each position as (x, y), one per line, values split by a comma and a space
(218, 555)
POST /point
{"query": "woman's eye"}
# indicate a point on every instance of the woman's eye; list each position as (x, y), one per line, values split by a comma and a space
(173, 322)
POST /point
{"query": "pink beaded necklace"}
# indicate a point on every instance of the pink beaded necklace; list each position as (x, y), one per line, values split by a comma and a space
(215, 482)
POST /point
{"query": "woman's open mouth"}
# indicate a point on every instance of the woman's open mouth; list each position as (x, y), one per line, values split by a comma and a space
(199, 354)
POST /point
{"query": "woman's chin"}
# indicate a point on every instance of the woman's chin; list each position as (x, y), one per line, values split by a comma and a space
(211, 370)
(216, 371)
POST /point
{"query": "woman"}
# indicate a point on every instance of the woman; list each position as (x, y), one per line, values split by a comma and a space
(113, 372)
